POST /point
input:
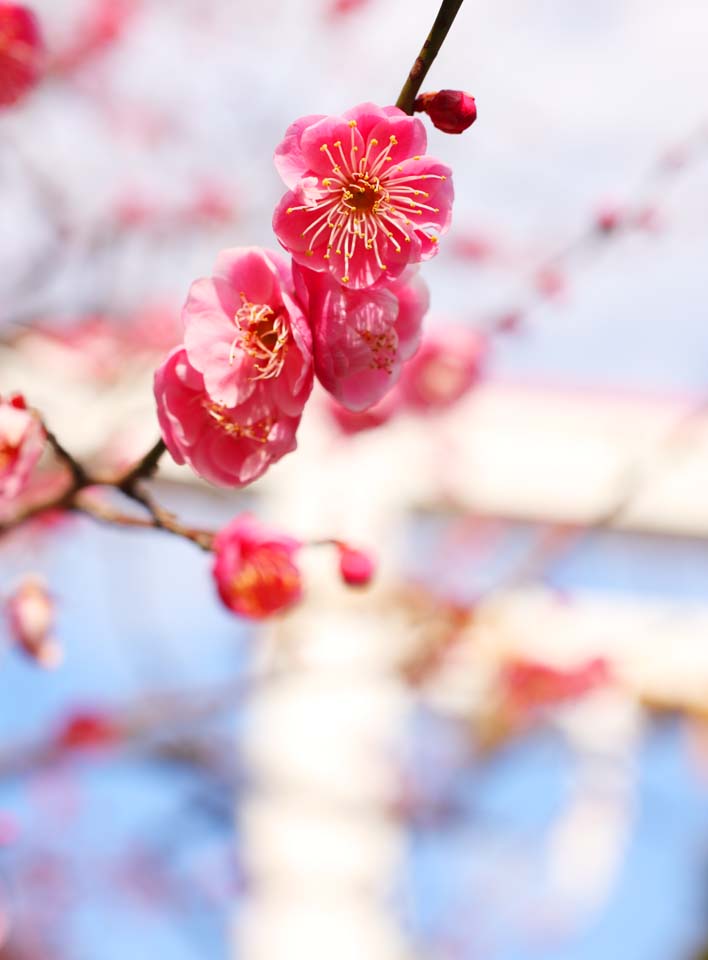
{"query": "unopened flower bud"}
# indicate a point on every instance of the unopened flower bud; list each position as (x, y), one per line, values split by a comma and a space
(451, 111)
(30, 611)
(356, 567)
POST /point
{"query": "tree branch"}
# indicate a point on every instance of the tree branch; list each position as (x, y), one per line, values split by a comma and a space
(429, 51)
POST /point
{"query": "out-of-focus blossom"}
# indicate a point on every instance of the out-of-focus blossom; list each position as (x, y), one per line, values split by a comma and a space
(9, 830)
(211, 204)
(21, 443)
(647, 218)
(356, 567)
(549, 282)
(228, 446)
(254, 568)
(451, 111)
(246, 334)
(86, 729)
(509, 322)
(364, 200)
(361, 338)
(30, 612)
(21, 52)
(530, 684)
(103, 26)
(350, 422)
(608, 219)
(474, 246)
(340, 8)
(448, 363)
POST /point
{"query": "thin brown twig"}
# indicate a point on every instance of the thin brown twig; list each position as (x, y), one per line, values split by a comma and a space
(429, 51)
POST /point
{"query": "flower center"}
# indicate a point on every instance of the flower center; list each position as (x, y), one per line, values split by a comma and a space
(366, 199)
(258, 431)
(363, 196)
(263, 334)
(264, 582)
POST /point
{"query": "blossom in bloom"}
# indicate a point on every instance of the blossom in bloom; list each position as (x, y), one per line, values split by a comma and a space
(254, 568)
(102, 27)
(30, 612)
(361, 338)
(21, 443)
(246, 334)
(356, 568)
(21, 52)
(364, 200)
(228, 446)
(451, 111)
(448, 363)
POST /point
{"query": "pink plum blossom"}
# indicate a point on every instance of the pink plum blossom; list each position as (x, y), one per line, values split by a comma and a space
(254, 568)
(364, 200)
(361, 338)
(246, 334)
(448, 363)
(228, 445)
(21, 443)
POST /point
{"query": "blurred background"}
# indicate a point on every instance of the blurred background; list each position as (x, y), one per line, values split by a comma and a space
(500, 749)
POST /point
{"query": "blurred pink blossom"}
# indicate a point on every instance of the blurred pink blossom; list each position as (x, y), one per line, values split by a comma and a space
(21, 52)
(30, 612)
(448, 363)
(22, 440)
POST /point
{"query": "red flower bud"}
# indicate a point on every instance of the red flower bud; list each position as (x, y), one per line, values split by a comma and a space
(451, 111)
(356, 568)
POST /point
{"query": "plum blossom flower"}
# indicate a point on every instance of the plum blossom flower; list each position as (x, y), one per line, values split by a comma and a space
(30, 612)
(448, 363)
(246, 334)
(364, 200)
(361, 338)
(254, 568)
(21, 443)
(21, 52)
(228, 446)
(451, 111)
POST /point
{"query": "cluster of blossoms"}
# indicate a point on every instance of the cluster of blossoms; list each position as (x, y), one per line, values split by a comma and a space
(364, 205)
